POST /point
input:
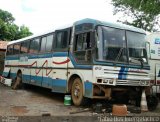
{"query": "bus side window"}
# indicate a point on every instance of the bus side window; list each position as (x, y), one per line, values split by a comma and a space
(46, 43)
(16, 49)
(43, 44)
(82, 48)
(49, 43)
(24, 47)
(61, 41)
(34, 45)
(10, 50)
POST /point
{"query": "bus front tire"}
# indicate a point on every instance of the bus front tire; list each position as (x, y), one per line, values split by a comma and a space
(77, 92)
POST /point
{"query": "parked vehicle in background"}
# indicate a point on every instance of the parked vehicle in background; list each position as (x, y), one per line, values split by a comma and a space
(89, 59)
(153, 49)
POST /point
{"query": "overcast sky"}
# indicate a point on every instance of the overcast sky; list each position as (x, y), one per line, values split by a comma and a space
(42, 15)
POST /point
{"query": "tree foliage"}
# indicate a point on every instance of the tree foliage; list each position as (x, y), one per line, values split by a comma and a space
(144, 13)
(10, 31)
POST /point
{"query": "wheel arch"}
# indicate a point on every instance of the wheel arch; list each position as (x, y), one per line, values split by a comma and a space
(71, 80)
(19, 73)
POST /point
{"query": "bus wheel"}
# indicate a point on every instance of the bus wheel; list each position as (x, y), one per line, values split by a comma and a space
(77, 92)
(17, 83)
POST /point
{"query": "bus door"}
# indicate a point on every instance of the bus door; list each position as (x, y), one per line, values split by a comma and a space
(60, 60)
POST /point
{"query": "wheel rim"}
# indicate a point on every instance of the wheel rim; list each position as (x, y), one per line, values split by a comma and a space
(77, 92)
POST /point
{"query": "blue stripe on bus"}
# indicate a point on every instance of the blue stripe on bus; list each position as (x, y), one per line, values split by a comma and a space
(5, 74)
(60, 54)
(57, 54)
(13, 75)
(123, 73)
(88, 89)
(12, 57)
(59, 85)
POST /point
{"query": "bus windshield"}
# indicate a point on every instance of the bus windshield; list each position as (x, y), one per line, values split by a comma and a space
(117, 45)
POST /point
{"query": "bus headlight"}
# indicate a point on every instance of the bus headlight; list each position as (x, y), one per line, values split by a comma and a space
(147, 83)
(98, 68)
(143, 83)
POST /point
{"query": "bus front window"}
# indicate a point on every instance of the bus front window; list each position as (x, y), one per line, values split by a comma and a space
(117, 45)
(136, 46)
(111, 44)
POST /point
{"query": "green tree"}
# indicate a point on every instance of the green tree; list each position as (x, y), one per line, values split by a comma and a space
(10, 31)
(144, 13)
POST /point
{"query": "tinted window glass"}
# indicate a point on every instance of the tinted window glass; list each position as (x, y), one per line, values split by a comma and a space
(10, 50)
(43, 44)
(64, 40)
(34, 46)
(16, 48)
(49, 43)
(61, 40)
(24, 47)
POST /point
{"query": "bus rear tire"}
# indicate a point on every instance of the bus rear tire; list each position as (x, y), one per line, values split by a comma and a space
(77, 92)
(17, 82)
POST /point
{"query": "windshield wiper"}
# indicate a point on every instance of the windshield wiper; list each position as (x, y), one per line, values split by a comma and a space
(136, 61)
(118, 56)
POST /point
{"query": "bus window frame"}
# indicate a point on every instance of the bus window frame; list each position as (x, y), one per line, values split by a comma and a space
(18, 43)
(11, 51)
(66, 49)
(48, 34)
(92, 40)
(38, 37)
(28, 41)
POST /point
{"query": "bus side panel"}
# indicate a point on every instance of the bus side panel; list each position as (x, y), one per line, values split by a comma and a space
(35, 72)
(60, 64)
(26, 75)
(59, 85)
(13, 72)
(47, 72)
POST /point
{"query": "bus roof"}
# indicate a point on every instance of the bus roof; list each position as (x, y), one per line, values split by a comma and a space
(110, 24)
(87, 20)
(40, 34)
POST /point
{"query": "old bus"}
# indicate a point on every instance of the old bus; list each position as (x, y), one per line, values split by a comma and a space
(89, 59)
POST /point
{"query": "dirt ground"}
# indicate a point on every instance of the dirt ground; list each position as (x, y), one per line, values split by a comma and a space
(36, 101)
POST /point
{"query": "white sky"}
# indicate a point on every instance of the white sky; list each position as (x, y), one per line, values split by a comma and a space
(42, 15)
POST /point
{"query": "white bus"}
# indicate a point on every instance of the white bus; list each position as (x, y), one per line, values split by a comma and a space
(89, 59)
(153, 50)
